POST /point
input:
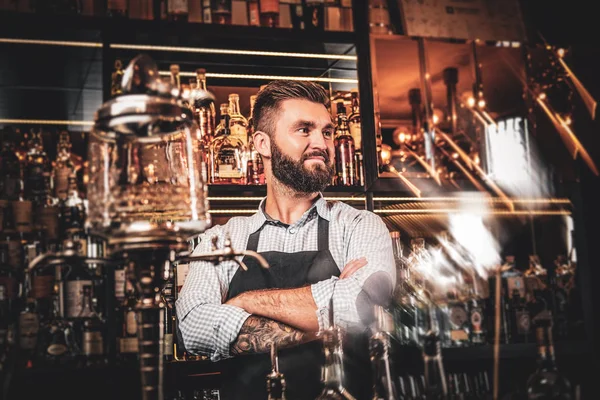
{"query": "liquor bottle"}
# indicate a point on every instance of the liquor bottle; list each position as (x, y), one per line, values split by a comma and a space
(63, 166)
(354, 121)
(91, 334)
(29, 327)
(177, 10)
(175, 77)
(538, 297)
(57, 334)
(404, 305)
(238, 124)
(379, 17)
(77, 279)
(332, 372)
(128, 342)
(116, 78)
(384, 375)
(38, 170)
(547, 382)
(224, 111)
(435, 378)
(520, 319)
(477, 322)
(220, 12)
(458, 320)
(72, 215)
(253, 13)
(11, 173)
(314, 15)
(210, 115)
(117, 8)
(275, 379)
(227, 155)
(269, 13)
(297, 14)
(344, 150)
(562, 283)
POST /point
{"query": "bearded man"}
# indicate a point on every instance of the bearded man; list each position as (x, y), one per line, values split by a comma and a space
(320, 253)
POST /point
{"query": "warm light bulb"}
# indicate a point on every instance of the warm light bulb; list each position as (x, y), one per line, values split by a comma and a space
(561, 52)
(471, 102)
(386, 153)
(401, 135)
(481, 103)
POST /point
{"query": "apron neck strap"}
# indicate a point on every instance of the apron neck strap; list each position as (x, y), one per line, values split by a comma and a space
(323, 236)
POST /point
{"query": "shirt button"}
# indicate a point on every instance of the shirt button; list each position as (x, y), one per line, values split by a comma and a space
(292, 230)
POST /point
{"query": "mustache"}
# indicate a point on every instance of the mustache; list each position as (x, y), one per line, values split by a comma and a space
(317, 153)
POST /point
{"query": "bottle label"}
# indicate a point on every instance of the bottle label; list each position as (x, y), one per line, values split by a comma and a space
(178, 6)
(523, 322)
(43, 286)
(92, 343)
(476, 321)
(182, 273)
(56, 349)
(29, 326)
(23, 215)
(131, 323)
(15, 251)
(253, 14)
(120, 284)
(168, 341)
(48, 217)
(61, 182)
(239, 131)
(518, 283)
(356, 133)
(75, 299)
(128, 345)
(269, 6)
(227, 171)
(9, 285)
(120, 5)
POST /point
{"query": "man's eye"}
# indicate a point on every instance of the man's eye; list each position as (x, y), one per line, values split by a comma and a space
(328, 134)
(303, 130)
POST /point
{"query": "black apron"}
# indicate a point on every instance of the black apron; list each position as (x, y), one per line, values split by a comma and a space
(243, 377)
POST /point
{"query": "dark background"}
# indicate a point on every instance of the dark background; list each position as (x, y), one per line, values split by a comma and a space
(574, 25)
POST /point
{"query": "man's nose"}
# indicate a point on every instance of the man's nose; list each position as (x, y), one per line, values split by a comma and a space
(318, 141)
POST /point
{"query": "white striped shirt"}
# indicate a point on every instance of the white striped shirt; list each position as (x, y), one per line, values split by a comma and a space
(209, 327)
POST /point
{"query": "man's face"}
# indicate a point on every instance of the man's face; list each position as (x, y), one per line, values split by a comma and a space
(302, 152)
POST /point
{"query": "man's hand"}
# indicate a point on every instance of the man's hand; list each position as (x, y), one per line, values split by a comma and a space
(352, 267)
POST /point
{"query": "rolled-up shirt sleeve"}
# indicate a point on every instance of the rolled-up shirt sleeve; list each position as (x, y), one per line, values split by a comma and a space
(207, 325)
(373, 284)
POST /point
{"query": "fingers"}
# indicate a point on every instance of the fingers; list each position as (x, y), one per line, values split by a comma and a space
(352, 267)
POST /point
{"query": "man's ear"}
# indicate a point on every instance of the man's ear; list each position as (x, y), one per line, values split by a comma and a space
(262, 144)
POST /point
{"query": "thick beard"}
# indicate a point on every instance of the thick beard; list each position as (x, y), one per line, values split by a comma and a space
(296, 176)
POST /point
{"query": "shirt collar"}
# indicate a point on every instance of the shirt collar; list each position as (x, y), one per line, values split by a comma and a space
(319, 207)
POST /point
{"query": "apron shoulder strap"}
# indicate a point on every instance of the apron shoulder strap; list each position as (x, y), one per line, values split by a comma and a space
(252, 244)
(323, 234)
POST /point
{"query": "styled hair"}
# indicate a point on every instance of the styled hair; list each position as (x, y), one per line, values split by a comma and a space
(271, 95)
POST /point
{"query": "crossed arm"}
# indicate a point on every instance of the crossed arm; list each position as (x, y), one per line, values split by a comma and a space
(285, 316)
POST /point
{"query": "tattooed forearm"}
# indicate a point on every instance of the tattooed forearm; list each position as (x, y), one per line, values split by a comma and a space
(258, 333)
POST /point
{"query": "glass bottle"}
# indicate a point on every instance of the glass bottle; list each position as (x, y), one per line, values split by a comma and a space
(10, 178)
(354, 121)
(92, 337)
(116, 78)
(177, 10)
(220, 12)
(520, 318)
(128, 342)
(314, 15)
(238, 124)
(477, 319)
(384, 374)
(175, 77)
(253, 13)
(224, 111)
(63, 166)
(29, 327)
(547, 382)
(275, 379)
(269, 13)
(72, 214)
(57, 334)
(209, 115)
(435, 378)
(344, 150)
(78, 281)
(227, 154)
(117, 8)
